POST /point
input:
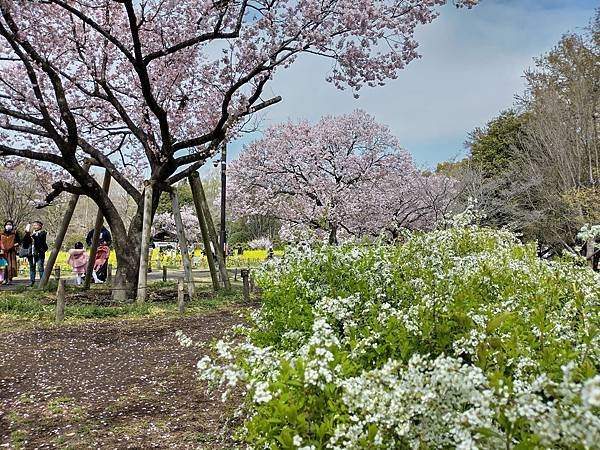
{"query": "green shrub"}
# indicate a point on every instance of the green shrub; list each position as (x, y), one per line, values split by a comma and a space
(459, 338)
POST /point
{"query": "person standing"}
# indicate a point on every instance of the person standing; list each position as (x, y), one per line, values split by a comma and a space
(104, 236)
(10, 241)
(78, 259)
(35, 241)
(99, 273)
(3, 263)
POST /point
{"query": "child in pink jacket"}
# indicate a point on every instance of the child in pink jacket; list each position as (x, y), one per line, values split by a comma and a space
(78, 260)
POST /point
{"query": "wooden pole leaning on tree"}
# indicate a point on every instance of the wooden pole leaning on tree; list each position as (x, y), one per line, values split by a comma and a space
(183, 245)
(96, 236)
(146, 230)
(199, 192)
(194, 181)
(62, 231)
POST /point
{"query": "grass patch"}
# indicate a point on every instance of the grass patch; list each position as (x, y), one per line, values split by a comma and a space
(17, 439)
(58, 405)
(33, 307)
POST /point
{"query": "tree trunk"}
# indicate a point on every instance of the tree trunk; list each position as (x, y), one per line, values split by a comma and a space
(127, 248)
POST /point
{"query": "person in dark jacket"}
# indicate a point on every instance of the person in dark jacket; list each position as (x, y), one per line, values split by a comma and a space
(35, 242)
(104, 237)
(10, 245)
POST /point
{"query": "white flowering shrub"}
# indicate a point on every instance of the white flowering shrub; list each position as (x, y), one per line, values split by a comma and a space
(458, 338)
(261, 243)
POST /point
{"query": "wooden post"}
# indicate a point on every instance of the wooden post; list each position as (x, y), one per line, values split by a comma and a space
(62, 231)
(183, 245)
(194, 180)
(590, 249)
(245, 275)
(96, 235)
(146, 230)
(109, 274)
(57, 272)
(198, 192)
(60, 301)
(164, 269)
(180, 295)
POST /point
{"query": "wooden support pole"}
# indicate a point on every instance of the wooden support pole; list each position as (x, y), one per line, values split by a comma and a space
(194, 180)
(60, 237)
(245, 275)
(198, 191)
(60, 301)
(96, 235)
(590, 249)
(145, 244)
(180, 295)
(164, 269)
(183, 245)
(222, 230)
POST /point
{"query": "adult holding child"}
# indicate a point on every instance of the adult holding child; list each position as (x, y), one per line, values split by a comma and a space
(9, 242)
(35, 243)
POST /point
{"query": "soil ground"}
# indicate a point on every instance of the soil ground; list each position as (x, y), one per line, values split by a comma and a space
(112, 384)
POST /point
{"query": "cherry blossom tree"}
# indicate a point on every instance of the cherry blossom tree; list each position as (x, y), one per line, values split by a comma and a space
(150, 88)
(344, 175)
(23, 185)
(166, 222)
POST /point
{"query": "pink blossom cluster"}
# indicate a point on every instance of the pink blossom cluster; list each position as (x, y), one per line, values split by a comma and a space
(345, 175)
(148, 81)
(166, 222)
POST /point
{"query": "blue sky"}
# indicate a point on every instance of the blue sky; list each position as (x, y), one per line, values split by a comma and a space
(472, 67)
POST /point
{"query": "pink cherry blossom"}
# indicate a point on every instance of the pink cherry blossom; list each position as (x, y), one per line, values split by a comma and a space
(345, 175)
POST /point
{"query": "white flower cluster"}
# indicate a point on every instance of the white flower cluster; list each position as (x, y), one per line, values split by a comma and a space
(433, 403)
(184, 341)
(589, 232)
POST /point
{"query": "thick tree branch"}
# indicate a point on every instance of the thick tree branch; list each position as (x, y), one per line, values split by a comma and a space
(105, 162)
(185, 173)
(21, 116)
(25, 129)
(58, 188)
(30, 154)
(144, 78)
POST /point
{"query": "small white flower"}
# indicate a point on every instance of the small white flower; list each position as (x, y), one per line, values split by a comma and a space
(590, 394)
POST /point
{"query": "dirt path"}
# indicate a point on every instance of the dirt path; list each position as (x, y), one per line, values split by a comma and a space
(126, 384)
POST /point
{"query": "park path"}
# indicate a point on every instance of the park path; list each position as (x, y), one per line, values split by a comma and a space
(111, 384)
(200, 275)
